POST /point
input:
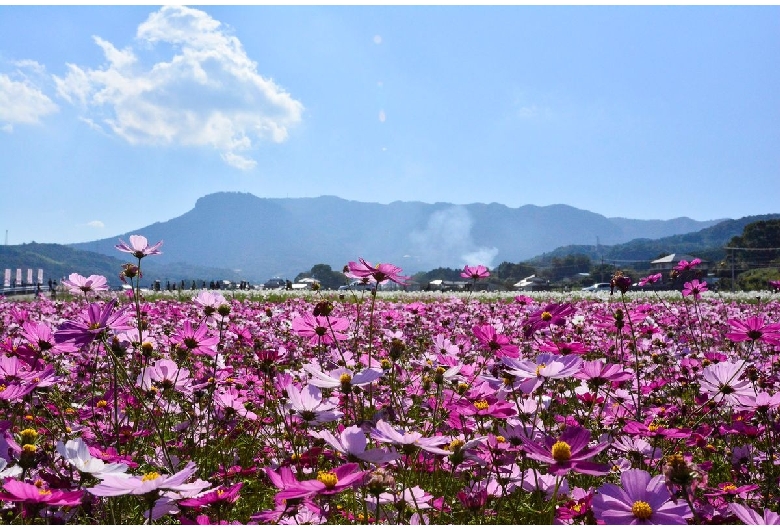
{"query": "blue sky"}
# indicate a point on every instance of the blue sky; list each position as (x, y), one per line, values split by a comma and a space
(116, 117)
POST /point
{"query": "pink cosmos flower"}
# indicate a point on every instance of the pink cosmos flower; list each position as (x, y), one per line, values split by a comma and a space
(546, 366)
(164, 374)
(122, 484)
(229, 402)
(78, 284)
(641, 500)
(196, 341)
(327, 483)
(653, 278)
(752, 517)
(380, 273)
(754, 329)
(567, 452)
(695, 288)
(352, 443)
(320, 330)
(597, 373)
(209, 301)
(723, 382)
(25, 493)
(139, 247)
(409, 441)
(308, 405)
(475, 273)
(341, 377)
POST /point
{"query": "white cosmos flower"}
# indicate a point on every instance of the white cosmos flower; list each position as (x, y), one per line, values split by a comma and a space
(77, 454)
(13, 471)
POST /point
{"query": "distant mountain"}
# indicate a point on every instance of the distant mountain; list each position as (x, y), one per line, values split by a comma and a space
(706, 243)
(59, 261)
(262, 237)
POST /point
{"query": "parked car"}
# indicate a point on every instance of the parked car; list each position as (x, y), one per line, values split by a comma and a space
(597, 287)
(275, 283)
(357, 286)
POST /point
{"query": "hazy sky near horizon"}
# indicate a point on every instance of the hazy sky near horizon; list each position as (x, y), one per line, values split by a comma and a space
(116, 117)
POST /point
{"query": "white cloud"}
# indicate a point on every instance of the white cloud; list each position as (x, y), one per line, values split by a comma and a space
(446, 239)
(96, 224)
(208, 94)
(23, 102)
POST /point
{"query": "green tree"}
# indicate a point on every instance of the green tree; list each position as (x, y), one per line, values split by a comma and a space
(328, 278)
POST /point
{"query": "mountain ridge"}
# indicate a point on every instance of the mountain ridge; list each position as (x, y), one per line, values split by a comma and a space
(263, 237)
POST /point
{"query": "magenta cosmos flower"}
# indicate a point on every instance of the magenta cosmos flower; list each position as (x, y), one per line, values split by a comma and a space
(551, 314)
(139, 247)
(754, 329)
(320, 330)
(684, 265)
(25, 493)
(78, 284)
(567, 452)
(475, 273)
(694, 288)
(220, 495)
(380, 273)
(326, 483)
(499, 344)
(641, 500)
(94, 322)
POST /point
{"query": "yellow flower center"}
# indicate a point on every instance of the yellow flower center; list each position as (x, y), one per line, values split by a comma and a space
(729, 488)
(44, 492)
(546, 316)
(539, 368)
(500, 439)
(641, 510)
(481, 404)
(456, 444)
(28, 433)
(561, 451)
(327, 478)
(101, 404)
(150, 476)
(345, 379)
(29, 448)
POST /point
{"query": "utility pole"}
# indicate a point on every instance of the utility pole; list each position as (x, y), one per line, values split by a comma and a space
(733, 282)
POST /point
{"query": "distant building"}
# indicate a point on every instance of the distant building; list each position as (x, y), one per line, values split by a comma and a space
(669, 262)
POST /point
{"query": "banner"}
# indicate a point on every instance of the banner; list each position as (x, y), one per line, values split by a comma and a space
(18, 277)
(7, 280)
(29, 276)
(40, 276)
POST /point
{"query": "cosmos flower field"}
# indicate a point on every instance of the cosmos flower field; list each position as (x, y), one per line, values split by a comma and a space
(388, 408)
